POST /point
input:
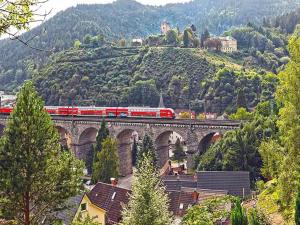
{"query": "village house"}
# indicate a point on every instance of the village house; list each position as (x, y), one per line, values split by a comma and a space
(229, 44)
(137, 42)
(104, 203)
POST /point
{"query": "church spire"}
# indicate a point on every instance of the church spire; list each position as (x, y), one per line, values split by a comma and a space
(161, 101)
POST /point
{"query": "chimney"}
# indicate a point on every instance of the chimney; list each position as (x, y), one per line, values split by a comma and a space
(114, 182)
(195, 196)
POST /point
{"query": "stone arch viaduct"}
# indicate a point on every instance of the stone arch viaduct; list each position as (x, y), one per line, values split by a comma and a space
(79, 133)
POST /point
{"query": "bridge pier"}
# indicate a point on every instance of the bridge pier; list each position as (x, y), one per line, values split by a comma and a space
(125, 158)
(162, 155)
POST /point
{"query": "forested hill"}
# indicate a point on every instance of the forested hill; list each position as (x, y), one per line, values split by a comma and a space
(127, 19)
(110, 76)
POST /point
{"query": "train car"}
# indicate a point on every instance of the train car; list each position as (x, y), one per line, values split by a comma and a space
(5, 110)
(109, 112)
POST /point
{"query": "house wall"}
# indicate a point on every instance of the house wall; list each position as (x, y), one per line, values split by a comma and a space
(93, 211)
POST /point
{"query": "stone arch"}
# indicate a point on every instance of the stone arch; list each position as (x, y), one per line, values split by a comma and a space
(65, 136)
(125, 140)
(207, 140)
(2, 127)
(163, 146)
(84, 148)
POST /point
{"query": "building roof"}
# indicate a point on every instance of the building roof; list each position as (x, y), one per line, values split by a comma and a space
(109, 198)
(180, 202)
(235, 183)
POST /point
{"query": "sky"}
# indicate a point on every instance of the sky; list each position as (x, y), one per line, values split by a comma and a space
(58, 5)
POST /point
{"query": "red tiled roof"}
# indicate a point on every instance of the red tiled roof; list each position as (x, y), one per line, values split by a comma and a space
(178, 199)
(109, 198)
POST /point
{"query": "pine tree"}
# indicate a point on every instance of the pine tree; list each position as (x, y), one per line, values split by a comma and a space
(134, 152)
(179, 154)
(147, 148)
(238, 214)
(297, 209)
(241, 101)
(35, 175)
(102, 134)
(148, 203)
(108, 166)
(186, 38)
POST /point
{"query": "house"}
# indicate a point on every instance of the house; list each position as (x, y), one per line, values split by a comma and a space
(165, 27)
(7, 100)
(229, 44)
(137, 42)
(223, 44)
(103, 203)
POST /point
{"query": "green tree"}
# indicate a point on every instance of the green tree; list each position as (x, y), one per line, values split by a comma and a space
(102, 134)
(84, 221)
(186, 38)
(172, 37)
(179, 154)
(18, 15)
(148, 203)
(289, 96)
(241, 114)
(272, 154)
(148, 149)
(241, 101)
(77, 44)
(204, 37)
(134, 152)
(35, 175)
(297, 208)
(238, 214)
(108, 166)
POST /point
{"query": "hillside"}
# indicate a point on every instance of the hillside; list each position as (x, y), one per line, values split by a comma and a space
(110, 76)
(126, 19)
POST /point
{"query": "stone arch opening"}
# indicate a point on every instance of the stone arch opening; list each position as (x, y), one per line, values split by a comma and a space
(2, 127)
(84, 149)
(165, 144)
(207, 141)
(125, 141)
(65, 137)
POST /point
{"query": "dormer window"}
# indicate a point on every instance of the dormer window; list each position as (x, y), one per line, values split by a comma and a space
(113, 196)
(181, 206)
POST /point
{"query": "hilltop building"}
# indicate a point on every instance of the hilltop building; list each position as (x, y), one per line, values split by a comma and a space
(165, 27)
(229, 44)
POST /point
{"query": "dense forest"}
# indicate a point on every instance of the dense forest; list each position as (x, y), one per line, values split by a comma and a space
(127, 19)
(136, 76)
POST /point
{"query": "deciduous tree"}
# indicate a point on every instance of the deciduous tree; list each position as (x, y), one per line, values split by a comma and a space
(35, 175)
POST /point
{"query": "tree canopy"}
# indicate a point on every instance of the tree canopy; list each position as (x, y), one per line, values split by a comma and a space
(35, 175)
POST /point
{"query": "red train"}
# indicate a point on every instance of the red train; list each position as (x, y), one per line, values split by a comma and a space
(121, 112)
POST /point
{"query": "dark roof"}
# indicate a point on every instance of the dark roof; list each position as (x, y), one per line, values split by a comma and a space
(235, 182)
(66, 215)
(175, 183)
(180, 201)
(232, 182)
(109, 198)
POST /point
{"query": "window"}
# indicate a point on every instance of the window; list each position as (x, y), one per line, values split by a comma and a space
(83, 207)
(181, 206)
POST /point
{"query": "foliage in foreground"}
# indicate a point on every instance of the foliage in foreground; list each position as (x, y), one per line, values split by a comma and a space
(35, 175)
(238, 214)
(209, 212)
(148, 203)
